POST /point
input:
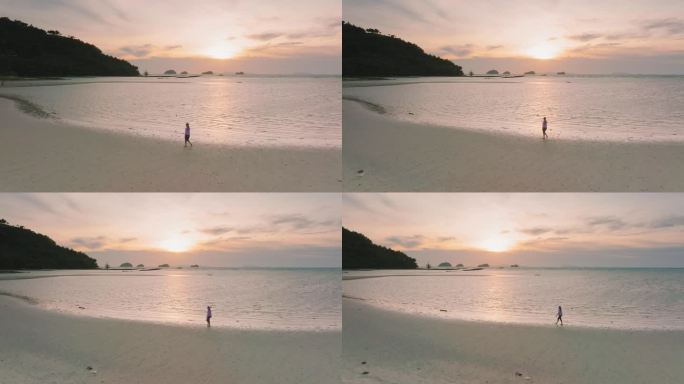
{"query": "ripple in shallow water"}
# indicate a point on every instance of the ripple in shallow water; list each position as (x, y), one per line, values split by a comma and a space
(244, 111)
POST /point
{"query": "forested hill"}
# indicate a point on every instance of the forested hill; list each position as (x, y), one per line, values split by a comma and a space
(367, 52)
(21, 248)
(32, 52)
(359, 252)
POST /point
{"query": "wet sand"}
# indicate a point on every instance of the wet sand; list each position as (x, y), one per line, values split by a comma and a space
(46, 155)
(382, 154)
(40, 346)
(401, 348)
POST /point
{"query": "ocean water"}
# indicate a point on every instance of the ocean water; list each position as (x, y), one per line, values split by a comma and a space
(233, 110)
(603, 298)
(593, 108)
(266, 299)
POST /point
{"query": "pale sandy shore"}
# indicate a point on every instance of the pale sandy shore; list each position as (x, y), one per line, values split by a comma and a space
(39, 346)
(401, 348)
(45, 155)
(400, 156)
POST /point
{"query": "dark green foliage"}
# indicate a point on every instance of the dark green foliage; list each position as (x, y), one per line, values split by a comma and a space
(32, 52)
(126, 265)
(445, 264)
(359, 252)
(21, 248)
(370, 53)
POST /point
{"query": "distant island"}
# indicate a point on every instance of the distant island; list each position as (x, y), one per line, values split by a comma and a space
(530, 73)
(367, 52)
(208, 72)
(444, 264)
(21, 248)
(492, 72)
(163, 266)
(27, 51)
(170, 72)
(126, 265)
(360, 252)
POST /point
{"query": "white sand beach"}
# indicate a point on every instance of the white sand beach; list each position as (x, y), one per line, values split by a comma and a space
(402, 348)
(40, 346)
(45, 155)
(385, 155)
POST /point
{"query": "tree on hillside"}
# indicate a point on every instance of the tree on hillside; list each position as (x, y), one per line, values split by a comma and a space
(360, 252)
(21, 248)
(29, 51)
(367, 52)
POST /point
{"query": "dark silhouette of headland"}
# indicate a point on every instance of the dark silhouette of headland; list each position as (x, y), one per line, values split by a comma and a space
(27, 51)
(359, 252)
(368, 53)
(21, 248)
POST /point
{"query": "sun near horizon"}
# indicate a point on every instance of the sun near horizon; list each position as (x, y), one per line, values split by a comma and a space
(178, 244)
(496, 244)
(257, 37)
(544, 51)
(222, 51)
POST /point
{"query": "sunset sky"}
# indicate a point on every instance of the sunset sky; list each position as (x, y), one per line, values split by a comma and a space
(525, 229)
(266, 37)
(580, 36)
(230, 230)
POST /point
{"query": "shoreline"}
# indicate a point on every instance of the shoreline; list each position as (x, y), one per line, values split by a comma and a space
(180, 316)
(436, 317)
(403, 348)
(386, 155)
(40, 345)
(47, 155)
(36, 304)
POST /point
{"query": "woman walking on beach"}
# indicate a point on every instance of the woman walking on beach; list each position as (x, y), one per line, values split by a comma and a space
(560, 316)
(544, 126)
(208, 312)
(187, 135)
